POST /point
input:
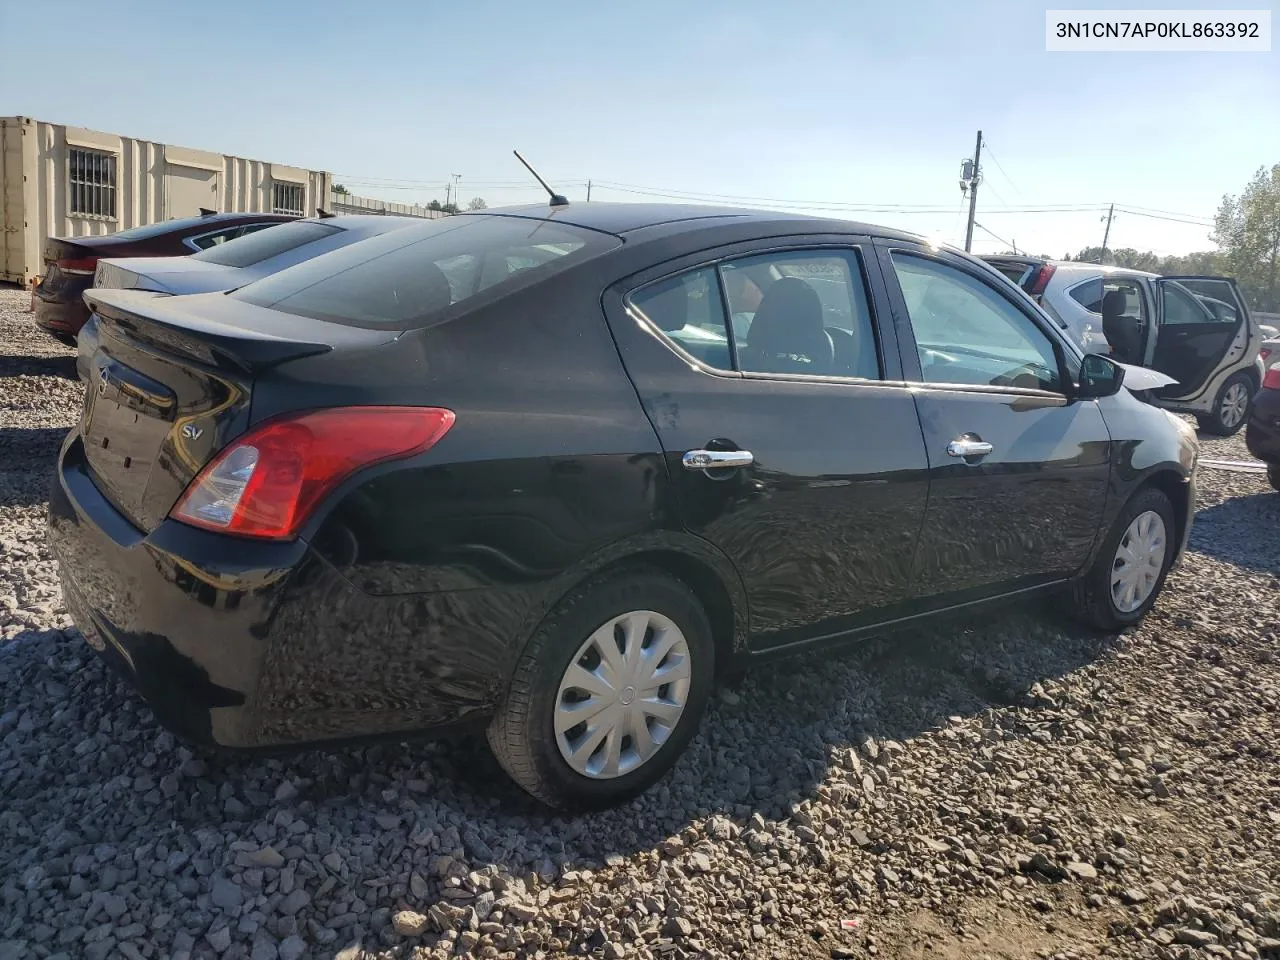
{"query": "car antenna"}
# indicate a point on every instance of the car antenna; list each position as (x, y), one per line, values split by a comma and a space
(556, 199)
(206, 212)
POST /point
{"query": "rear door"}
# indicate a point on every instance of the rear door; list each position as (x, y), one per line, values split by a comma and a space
(1203, 326)
(1018, 471)
(793, 443)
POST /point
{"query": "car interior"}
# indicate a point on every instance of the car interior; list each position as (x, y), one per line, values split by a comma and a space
(781, 323)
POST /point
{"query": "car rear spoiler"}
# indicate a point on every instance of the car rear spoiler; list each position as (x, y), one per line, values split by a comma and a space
(152, 318)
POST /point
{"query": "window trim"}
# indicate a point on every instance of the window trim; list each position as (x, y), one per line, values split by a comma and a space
(112, 188)
(859, 246)
(909, 350)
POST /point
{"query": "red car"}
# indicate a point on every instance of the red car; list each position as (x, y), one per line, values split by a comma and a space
(69, 263)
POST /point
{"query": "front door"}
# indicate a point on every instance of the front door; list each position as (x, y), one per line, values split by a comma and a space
(1018, 471)
(1203, 325)
(789, 449)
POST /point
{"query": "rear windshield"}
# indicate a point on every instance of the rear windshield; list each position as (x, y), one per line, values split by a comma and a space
(263, 244)
(164, 226)
(399, 280)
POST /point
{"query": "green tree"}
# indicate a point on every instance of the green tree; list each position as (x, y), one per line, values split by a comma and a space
(339, 188)
(1247, 230)
(477, 203)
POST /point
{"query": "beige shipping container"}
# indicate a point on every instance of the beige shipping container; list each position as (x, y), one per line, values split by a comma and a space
(60, 181)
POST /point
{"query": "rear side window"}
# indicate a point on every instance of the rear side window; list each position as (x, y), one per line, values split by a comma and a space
(254, 248)
(1088, 295)
(793, 311)
(400, 280)
(1180, 306)
(1016, 272)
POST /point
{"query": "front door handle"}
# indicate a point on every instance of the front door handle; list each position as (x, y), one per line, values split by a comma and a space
(968, 446)
(716, 459)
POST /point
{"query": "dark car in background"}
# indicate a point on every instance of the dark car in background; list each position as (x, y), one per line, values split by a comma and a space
(1262, 433)
(70, 262)
(245, 259)
(547, 472)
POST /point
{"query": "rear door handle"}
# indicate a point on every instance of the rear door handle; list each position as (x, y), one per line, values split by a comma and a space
(717, 459)
(967, 447)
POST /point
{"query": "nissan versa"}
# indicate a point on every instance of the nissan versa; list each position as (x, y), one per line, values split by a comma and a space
(547, 471)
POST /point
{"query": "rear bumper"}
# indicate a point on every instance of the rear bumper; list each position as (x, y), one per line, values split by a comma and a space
(242, 643)
(1262, 434)
(64, 313)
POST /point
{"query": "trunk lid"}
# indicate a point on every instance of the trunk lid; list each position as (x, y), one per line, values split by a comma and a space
(67, 263)
(176, 275)
(169, 382)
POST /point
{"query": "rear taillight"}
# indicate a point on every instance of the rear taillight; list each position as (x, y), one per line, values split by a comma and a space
(1041, 279)
(1264, 353)
(82, 266)
(267, 483)
(1272, 380)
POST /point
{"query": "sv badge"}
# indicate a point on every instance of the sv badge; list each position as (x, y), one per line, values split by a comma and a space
(191, 432)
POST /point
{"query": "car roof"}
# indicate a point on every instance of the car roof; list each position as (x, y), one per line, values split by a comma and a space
(1079, 268)
(621, 219)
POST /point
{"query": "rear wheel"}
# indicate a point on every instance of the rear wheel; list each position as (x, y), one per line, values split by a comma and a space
(1273, 475)
(608, 693)
(1130, 570)
(1230, 408)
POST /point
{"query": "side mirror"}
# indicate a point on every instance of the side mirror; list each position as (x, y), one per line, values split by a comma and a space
(1099, 377)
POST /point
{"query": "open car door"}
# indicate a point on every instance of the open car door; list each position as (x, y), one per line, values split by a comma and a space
(1202, 322)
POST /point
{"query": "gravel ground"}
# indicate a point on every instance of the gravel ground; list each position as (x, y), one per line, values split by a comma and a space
(1014, 788)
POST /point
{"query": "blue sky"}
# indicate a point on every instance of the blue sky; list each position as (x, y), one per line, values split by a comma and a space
(809, 102)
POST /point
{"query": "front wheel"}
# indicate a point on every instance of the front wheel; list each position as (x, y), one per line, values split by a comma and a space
(608, 692)
(1130, 570)
(1230, 408)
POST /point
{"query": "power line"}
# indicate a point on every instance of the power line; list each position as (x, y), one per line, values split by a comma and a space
(1156, 216)
(391, 183)
(996, 235)
(1000, 168)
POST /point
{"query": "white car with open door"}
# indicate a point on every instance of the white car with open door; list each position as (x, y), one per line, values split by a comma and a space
(1196, 330)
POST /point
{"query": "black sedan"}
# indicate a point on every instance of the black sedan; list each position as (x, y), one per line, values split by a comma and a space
(547, 472)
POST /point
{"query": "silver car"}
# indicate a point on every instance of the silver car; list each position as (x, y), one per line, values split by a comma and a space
(1196, 330)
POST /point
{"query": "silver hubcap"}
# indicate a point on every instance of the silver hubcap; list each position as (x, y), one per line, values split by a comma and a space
(1139, 560)
(622, 695)
(1235, 402)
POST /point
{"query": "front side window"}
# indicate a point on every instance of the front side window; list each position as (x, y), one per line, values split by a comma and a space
(91, 180)
(403, 279)
(967, 333)
(795, 311)
(254, 248)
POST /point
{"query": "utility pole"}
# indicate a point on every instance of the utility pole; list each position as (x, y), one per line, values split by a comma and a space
(588, 191)
(973, 191)
(1106, 234)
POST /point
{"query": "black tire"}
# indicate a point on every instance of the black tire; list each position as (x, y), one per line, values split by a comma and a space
(1273, 476)
(1091, 601)
(1214, 423)
(66, 339)
(522, 735)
